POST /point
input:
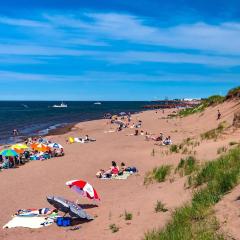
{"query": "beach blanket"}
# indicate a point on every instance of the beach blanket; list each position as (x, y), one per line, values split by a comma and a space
(29, 222)
(110, 131)
(33, 212)
(118, 177)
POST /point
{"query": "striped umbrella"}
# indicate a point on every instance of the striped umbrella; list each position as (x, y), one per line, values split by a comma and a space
(8, 153)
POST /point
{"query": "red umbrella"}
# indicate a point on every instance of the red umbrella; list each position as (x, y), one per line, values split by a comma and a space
(83, 188)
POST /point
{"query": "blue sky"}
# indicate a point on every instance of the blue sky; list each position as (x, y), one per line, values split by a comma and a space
(118, 49)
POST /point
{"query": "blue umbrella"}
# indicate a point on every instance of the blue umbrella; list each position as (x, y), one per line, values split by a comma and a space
(8, 153)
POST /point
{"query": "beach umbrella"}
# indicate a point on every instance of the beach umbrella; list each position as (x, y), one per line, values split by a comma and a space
(19, 146)
(119, 122)
(83, 188)
(8, 153)
(55, 145)
(76, 211)
(59, 203)
(69, 207)
(40, 147)
(43, 140)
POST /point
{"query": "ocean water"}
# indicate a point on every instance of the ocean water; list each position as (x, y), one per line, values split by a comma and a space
(38, 117)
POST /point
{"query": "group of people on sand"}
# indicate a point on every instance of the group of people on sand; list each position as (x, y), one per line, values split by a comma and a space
(115, 170)
(30, 153)
(160, 138)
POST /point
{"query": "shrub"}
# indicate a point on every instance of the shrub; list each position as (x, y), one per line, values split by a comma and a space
(160, 207)
(153, 152)
(212, 100)
(173, 148)
(233, 143)
(234, 92)
(114, 228)
(187, 166)
(128, 216)
(221, 150)
(158, 174)
(214, 133)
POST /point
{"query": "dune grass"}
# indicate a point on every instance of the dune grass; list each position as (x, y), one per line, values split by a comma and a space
(196, 220)
(213, 100)
(232, 143)
(174, 148)
(234, 92)
(214, 133)
(221, 150)
(128, 216)
(187, 166)
(160, 207)
(114, 228)
(158, 174)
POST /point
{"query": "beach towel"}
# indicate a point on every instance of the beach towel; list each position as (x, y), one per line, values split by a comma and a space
(110, 131)
(33, 212)
(78, 140)
(29, 222)
(124, 176)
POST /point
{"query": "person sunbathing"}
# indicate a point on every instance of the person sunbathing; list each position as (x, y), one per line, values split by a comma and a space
(113, 170)
(167, 141)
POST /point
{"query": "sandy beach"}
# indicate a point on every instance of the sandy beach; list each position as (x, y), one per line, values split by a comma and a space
(28, 185)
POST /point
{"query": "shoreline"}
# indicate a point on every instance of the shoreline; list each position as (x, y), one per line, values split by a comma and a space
(62, 129)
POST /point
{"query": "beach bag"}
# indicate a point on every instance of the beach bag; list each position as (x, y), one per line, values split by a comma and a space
(63, 221)
(131, 169)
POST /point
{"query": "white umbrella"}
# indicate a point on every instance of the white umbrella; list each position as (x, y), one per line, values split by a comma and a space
(55, 145)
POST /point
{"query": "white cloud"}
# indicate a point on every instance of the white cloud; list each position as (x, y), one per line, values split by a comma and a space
(216, 45)
(22, 22)
(164, 57)
(12, 49)
(117, 76)
(219, 39)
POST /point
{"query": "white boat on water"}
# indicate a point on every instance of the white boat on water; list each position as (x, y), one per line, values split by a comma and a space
(97, 103)
(62, 105)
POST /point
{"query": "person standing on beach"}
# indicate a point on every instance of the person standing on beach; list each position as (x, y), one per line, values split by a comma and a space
(15, 132)
(218, 115)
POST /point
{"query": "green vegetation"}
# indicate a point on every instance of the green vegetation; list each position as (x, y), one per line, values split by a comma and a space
(214, 133)
(173, 148)
(221, 150)
(187, 166)
(195, 220)
(213, 100)
(158, 174)
(183, 147)
(160, 207)
(234, 92)
(114, 228)
(233, 143)
(153, 152)
(128, 216)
